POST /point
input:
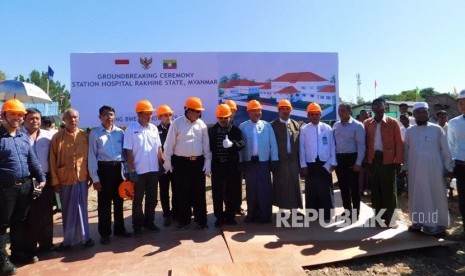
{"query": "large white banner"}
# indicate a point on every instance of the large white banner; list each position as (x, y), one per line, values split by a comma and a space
(121, 79)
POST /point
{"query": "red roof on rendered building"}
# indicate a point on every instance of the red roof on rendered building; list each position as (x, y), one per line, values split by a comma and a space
(299, 76)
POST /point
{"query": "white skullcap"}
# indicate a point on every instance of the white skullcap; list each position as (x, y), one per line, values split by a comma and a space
(420, 105)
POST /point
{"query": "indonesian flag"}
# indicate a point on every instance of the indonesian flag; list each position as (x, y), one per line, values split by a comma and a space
(121, 61)
(455, 90)
(169, 64)
(376, 84)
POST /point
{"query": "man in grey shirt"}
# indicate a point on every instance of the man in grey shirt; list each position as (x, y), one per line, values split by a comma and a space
(349, 136)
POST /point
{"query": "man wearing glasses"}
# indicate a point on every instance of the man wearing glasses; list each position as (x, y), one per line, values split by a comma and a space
(187, 154)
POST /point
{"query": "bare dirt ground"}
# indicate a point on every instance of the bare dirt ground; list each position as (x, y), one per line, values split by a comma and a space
(443, 260)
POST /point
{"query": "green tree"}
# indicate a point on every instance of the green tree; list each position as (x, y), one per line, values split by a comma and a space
(235, 76)
(2, 75)
(57, 91)
(427, 92)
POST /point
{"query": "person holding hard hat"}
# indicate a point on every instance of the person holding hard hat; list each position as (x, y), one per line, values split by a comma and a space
(106, 158)
(18, 164)
(143, 153)
(286, 181)
(225, 144)
(259, 157)
(317, 161)
(165, 115)
(187, 154)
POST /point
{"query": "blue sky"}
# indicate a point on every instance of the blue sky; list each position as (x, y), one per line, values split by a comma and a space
(400, 44)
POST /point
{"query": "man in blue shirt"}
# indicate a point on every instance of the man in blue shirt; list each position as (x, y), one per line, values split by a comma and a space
(349, 136)
(259, 157)
(17, 164)
(105, 168)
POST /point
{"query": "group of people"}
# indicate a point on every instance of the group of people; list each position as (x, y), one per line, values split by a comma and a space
(179, 154)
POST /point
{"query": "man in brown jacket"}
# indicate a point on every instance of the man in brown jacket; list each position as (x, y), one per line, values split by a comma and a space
(70, 178)
(384, 156)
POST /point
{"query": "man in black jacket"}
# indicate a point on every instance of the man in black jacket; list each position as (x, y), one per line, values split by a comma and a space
(225, 144)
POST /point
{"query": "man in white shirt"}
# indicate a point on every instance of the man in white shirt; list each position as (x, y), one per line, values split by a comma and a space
(456, 141)
(187, 154)
(143, 154)
(317, 161)
(40, 215)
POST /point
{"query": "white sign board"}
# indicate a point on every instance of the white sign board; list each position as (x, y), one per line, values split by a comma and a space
(121, 79)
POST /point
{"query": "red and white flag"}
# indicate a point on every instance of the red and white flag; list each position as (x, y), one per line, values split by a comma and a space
(376, 84)
(121, 61)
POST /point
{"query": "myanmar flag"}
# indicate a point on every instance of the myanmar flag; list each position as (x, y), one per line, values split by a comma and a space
(169, 64)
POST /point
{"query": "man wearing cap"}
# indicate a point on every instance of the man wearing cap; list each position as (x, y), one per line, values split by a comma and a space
(286, 180)
(349, 136)
(17, 164)
(106, 159)
(317, 161)
(70, 178)
(403, 110)
(187, 154)
(143, 154)
(456, 140)
(225, 144)
(384, 156)
(428, 206)
(40, 215)
(238, 175)
(165, 115)
(259, 157)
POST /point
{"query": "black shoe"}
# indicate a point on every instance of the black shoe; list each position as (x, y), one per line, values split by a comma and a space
(61, 247)
(24, 259)
(153, 228)
(138, 232)
(48, 248)
(167, 221)
(123, 234)
(230, 222)
(441, 235)
(201, 227)
(248, 220)
(89, 243)
(105, 240)
(182, 226)
(7, 268)
(414, 230)
(219, 222)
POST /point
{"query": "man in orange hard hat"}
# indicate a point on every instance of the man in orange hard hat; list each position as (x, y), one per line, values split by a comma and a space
(187, 154)
(165, 115)
(106, 160)
(286, 182)
(18, 164)
(143, 152)
(317, 160)
(225, 144)
(259, 157)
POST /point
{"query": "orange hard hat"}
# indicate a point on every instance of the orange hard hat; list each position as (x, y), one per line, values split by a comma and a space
(284, 103)
(144, 106)
(313, 107)
(231, 104)
(194, 103)
(164, 109)
(14, 105)
(253, 105)
(126, 190)
(223, 111)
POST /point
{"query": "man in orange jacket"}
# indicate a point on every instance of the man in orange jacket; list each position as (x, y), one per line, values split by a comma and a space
(384, 156)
